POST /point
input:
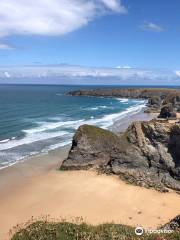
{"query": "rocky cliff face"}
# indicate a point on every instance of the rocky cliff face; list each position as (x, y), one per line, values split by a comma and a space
(157, 97)
(144, 93)
(147, 154)
(91, 147)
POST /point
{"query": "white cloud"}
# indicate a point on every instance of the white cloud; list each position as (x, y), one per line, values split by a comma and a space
(150, 26)
(177, 73)
(125, 67)
(5, 46)
(7, 75)
(73, 72)
(115, 5)
(51, 17)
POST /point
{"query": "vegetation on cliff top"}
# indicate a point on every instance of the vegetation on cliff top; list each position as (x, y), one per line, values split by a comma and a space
(43, 230)
(95, 133)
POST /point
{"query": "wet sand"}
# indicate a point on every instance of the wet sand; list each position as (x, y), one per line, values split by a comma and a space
(122, 125)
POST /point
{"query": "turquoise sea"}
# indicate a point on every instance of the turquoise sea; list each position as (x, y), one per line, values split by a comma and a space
(37, 118)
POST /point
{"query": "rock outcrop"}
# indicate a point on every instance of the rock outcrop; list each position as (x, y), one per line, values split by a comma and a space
(174, 224)
(91, 147)
(143, 93)
(155, 101)
(147, 154)
(167, 111)
(157, 97)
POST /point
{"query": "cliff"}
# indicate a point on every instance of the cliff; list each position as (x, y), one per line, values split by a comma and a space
(157, 97)
(147, 154)
(143, 93)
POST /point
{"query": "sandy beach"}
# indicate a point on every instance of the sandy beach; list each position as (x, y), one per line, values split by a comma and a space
(37, 187)
(122, 125)
(96, 198)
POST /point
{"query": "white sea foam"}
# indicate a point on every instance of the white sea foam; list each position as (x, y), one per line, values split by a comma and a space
(55, 146)
(49, 130)
(21, 158)
(5, 140)
(109, 119)
(122, 100)
(98, 108)
(16, 158)
(91, 109)
(46, 126)
(106, 107)
(30, 138)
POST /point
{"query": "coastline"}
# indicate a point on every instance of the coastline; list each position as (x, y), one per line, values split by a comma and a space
(34, 187)
(21, 172)
(12, 148)
(118, 126)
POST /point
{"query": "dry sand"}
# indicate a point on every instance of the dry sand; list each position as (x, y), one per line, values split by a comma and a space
(97, 198)
(37, 188)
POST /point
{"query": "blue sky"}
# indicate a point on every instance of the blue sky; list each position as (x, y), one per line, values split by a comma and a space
(90, 41)
(140, 34)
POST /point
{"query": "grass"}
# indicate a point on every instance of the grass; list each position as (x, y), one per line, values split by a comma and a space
(95, 133)
(43, 230)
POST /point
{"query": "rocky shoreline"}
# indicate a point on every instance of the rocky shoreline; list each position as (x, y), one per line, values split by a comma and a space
(162, 100)
(146, 154)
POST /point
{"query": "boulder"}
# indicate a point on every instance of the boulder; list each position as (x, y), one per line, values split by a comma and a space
(154, 101)
(174, 224)
(177, 107)
(91, 146)
(167, 111)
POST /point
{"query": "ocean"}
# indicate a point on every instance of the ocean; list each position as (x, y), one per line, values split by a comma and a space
(35, 119)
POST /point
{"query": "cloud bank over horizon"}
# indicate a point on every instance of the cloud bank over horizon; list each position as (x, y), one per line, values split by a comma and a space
(71, 74)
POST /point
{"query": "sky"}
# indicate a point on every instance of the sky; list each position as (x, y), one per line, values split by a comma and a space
(120, 34)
